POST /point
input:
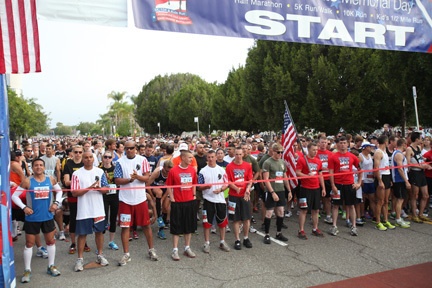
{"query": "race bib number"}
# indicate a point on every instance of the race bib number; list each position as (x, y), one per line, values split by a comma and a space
(125, 220)
(99, 219)
(186, 181)
(231, 207)
(49, 172)
(112, 189)
(279, 176)
(41, 193)
(204, 216)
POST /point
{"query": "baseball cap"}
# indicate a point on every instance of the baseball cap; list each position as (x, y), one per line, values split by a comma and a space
(18, 152)
(183, 147)
(367, 144)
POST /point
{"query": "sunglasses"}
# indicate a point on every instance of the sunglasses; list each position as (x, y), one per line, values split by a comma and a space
(78, 152)
(129, 148)
(29, 150)
(107, 157)
(279, 152)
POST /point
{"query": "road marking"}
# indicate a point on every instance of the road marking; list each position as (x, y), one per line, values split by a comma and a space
(272, 239)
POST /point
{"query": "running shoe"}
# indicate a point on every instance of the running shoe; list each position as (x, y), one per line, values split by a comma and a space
(247, 243)
(213, 230)
(288, 214)
(328, 220)
(130, 236)
(281, 237)
(389, 225)
(42, 252)
(302, 235)
(79, 265)
(86, 248)
(161, 234)
(392, 215)
(354, 231)
(72, 248)
(402, 224)
(403, 214)
(334, 231)
(267, 239)
(381, 227)
(53, 271)
(206, 248)
(189, 253)
(360, 222)
(167, 225)
(26, 276)
(112, 245)
(228, 229)
(424, 218)
(102, 260)
(152, 254)
(343, 215)
(237, 245)
(317, 233)
(62, 236)
(253, 221)
(348, 223)
(123, 261)
(252, 229)
(160, 222)
(224, 247)
(175, 255)
(416, 219)
(284, 226)
(135, 235)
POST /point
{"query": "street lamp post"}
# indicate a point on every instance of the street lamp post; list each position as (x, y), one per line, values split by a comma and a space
(159, 127)
(197, 121)
(415, 106)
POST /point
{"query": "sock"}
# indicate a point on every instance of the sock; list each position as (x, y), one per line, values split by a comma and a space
(245, 238)
(279, 222)
(207, 242)
(128, 254)
(222, 241)
(187, 247)
(267, 225)
(175, 249)
(28, 253)
(14, 228)
(51, 254)
(158, 207)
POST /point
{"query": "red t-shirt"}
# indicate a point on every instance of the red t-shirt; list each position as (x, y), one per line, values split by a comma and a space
(324, 156)
(315, 166)
(186, 177)
(428, 158)
(239, 174)
(341, 163)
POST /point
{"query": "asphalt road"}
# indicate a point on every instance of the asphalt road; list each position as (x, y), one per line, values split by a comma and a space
(301, 263)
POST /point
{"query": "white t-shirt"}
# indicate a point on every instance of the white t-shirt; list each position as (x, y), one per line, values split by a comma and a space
(228, 158)
(123, 169)
(91, 204)
(210, 175)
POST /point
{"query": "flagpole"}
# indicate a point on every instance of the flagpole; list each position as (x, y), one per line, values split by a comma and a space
(297, 138)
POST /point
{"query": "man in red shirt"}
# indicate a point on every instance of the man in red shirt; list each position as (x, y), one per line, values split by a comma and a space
(239, 209)
(343, 186)
(310, 192)
(324, 155)
(183, 213)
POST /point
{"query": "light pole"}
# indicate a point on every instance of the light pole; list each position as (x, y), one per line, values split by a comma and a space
(197, 121)
(415, 106)
(159, 127)
(209, 129)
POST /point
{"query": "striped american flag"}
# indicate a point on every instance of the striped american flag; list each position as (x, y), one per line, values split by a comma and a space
(19, 38)
(288, 140)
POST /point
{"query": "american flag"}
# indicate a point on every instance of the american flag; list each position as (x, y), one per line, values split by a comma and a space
(19, 38)
(288, 140)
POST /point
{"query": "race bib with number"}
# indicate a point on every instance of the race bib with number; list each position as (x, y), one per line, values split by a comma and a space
(125, 220)
(41, 193)
(112, 189)
(279, 177)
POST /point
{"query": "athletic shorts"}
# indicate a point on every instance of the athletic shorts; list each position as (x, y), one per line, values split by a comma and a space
(18, 215)
(348, 195)
(90, 225)
(35, 228)
(214, 209)
(400, 190)
(271, 204)
(313, 198)
(417, 178)
(368, 188)
(183, 218)
(73, 208)
(429, 183)
(133, 215)
(386, 180)
(242, 209)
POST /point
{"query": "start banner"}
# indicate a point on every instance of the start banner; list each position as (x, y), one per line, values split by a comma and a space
(403, 25)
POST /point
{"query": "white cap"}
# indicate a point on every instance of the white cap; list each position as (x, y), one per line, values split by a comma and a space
(183, 146)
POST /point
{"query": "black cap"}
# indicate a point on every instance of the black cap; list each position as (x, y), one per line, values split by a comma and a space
(18, 152)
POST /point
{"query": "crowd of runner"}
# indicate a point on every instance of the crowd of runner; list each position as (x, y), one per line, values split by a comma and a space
(76, 186)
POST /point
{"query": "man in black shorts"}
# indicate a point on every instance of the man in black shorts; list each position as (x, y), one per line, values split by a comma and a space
(274, 168)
